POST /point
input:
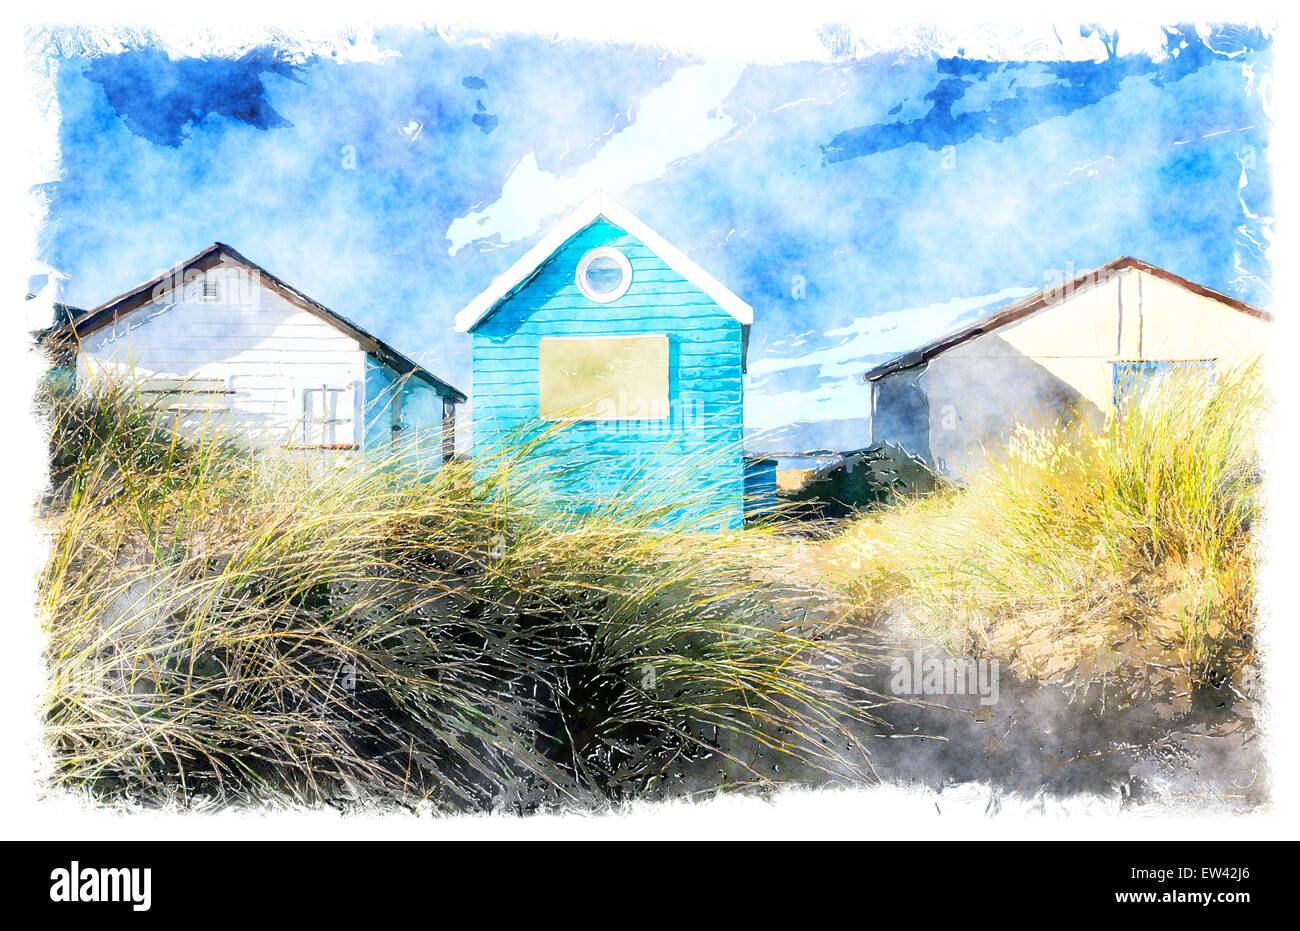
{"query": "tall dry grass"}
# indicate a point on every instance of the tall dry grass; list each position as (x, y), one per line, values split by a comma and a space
(230, 628)
(1102, 548)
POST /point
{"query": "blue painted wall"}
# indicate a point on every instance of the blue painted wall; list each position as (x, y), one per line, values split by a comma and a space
(693, 460)
(418, 444)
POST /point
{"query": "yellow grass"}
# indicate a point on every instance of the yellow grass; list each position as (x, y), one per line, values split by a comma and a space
(1119, 550)
(225, 628)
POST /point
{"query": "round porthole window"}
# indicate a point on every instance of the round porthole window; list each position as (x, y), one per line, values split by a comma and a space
(604, 274)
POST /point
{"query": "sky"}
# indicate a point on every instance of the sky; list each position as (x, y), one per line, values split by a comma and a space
(862, 199)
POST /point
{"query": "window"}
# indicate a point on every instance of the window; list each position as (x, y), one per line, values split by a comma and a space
(603, 378)
(1137, 380)
(327, 417)
(210, 291)
(604, 274)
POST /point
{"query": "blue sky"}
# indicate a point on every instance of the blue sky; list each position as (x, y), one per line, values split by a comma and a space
(861, 204)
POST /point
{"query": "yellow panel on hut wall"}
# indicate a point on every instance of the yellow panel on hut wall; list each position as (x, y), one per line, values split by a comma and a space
(603, 378)
(1180, 324)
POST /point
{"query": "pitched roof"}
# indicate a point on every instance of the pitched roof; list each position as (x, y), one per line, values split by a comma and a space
(598, 205)
(1036, 302)
(214, 255)
(63, 315)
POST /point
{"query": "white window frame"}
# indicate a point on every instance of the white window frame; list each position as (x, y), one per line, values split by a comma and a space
(1161, 368)
(322, 432)
(603, 252)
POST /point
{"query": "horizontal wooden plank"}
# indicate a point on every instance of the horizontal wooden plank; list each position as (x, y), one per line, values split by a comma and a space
(216, 317)
(258, 329)
(269, 401)
(263, 378)
(600, 233)
(485, 337)
(719, 453)
(648, 456)
(687, 378)
(700, 415)
(187, 406)
(212, 354)
(288, 319)
(705, 400)
(634, 305)
(697, 361)
(681, 487)
(692, 350)
(644, 268)
(726, 350)
(291, 367)
(182, 385)
(627, 435)
(640, 441)
(494, 386)
(236, 342)
(217, 362)
(685, 328)
(621, 435)
(702, 418)
(519, 371)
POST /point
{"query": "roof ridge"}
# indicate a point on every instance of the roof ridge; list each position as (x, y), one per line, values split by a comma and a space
(1041, 300)
(597, 205)
(211, 256)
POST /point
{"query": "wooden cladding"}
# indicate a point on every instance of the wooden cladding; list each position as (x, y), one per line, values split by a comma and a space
(187, 396)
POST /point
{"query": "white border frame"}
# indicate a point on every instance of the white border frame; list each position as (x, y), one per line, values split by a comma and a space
(603, 252)
(883, 812)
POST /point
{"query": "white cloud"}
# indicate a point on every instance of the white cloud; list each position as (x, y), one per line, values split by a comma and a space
(892, 332)
(838, 393)
(678, 119)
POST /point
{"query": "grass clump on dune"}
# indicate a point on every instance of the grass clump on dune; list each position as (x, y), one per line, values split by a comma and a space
(1116, 552)
(228, 628)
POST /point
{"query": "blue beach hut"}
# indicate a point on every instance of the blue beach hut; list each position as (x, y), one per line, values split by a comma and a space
(624, 360)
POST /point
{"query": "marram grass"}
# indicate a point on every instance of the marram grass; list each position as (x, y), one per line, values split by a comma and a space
(1118, 546)
(226, 628)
